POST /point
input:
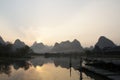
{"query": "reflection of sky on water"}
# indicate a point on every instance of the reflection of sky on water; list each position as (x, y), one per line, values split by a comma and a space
(41, 68)
(46, 72)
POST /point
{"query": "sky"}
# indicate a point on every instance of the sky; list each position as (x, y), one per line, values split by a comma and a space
(51, 21)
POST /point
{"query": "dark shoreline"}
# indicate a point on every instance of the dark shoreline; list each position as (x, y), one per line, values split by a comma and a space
(94, 75)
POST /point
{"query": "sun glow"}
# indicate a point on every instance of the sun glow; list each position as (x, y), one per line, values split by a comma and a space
(39, 40)
(38, 68)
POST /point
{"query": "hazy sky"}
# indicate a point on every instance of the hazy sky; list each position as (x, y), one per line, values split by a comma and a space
(51, 21)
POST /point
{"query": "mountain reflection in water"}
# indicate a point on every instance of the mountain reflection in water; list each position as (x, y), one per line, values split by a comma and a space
(41, 68)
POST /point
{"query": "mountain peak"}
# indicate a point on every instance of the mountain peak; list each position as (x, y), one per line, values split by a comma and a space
(40, 48)
(2, 41)
(65, 42)
(75, 41)
(17, 40)
(18, 44)
(56, 44)
(104, 42)
(103, 38)
(35, 43)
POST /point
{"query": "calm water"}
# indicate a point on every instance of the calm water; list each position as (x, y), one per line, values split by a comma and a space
(41, 68)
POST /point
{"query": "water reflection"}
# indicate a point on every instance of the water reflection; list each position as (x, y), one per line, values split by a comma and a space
(41, 68)
(5, 66)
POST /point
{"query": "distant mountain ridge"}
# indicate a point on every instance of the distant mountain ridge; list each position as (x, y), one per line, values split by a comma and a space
(67, 46)
(40, 48)
(104, 42)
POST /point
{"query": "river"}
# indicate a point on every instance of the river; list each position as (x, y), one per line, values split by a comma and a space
(44, 68)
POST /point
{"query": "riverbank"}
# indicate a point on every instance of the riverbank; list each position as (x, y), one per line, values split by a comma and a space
(110, 71)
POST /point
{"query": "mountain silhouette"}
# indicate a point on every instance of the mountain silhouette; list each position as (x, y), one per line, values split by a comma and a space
(2, 41)
(67, 46)
(40, 48)
(104, 42)
(18, 44)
